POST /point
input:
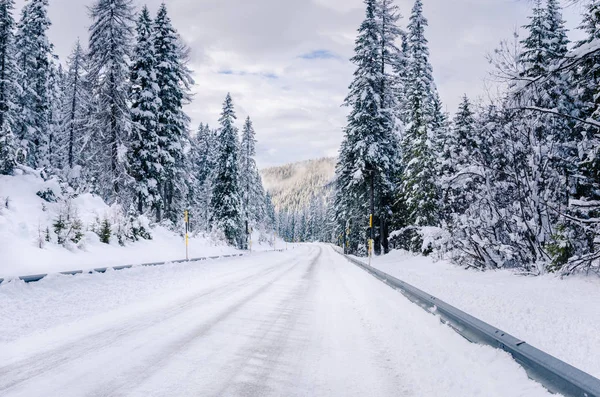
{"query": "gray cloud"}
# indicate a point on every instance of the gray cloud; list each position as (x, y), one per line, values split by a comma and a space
(286, 65)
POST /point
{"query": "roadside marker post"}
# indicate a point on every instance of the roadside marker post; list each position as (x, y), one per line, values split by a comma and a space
(187, 229)
(371, 238)
(250, 239)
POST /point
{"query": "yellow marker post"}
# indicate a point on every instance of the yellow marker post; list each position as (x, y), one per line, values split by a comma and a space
(250, 240)
(187, 240)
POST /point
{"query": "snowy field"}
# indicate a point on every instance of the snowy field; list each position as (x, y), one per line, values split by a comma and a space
(28, 215)
(304, 322)
(558, 316)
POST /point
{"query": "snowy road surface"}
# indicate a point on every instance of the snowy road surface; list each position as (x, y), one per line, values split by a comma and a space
(299, 323)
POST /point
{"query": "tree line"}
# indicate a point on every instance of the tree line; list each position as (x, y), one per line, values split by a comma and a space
(509, 182)
(111, 121)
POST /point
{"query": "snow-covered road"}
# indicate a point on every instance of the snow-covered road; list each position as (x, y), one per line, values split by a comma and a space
(299, 323)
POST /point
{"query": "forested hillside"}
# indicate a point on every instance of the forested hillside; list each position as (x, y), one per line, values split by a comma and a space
(301, 194)
(292, 186)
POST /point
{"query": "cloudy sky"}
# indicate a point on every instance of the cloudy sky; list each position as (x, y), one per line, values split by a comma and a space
(286, 65)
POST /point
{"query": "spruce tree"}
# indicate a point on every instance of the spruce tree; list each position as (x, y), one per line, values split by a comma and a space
(251, 188)
(8, 66)
(559, 42)
(202, 163)
(419, 188)
(57, 140)
(369, 150)
(111, 35)
(247, 166)
(270, 212)
(392, 64)
(76, 105)
(584, 206)
(457, 157)
(145, 151)
(226, 215)
(8, 149)
(533, 57)
(173, 79)
(34, 55)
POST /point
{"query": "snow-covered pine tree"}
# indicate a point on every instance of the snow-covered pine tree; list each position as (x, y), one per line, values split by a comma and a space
(533, 57)
(226, 215)
(174, 80)
(8, 66)
(110, 41)
(247, 167)
(251, 188)
(457, 157)
(8, 88)
(401, 72)
(74, 112)
(271, 220)
(392, 63)
(34, 56)
(559, 41)
(480, 224)
(419, 190)
(56, 138)
(8, 149)
(202, 163)
(584, 206)
(144, 148)
(368, 153)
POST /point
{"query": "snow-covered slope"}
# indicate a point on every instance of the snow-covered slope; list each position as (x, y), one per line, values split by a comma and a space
(293, 185)
(28, 241)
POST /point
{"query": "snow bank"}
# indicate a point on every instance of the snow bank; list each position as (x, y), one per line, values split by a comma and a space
(24, 218)
(559, 316)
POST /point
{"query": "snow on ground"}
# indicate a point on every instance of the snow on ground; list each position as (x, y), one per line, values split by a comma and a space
(304, 322)
(558, 316)
(24, 220)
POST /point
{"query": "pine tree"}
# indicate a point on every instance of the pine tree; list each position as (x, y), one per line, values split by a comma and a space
(145, 151)
(34, 55)
(369, 151)
(583, 206)
(457, 157)
(247, 166)
(251, 188)
(56, 138)
(533, 57)
(202, 163)
(8, 149)
(392, 64)
(225, 203)
(173, 79)
(555, 24)
(76, 105)
(8, 66)
(111, 34)
(419, 189)
(271, 221)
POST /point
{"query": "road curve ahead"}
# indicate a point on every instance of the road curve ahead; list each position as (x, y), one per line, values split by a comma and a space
(304, 322)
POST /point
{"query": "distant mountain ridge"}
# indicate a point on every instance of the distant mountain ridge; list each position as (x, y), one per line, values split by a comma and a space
(292, 186)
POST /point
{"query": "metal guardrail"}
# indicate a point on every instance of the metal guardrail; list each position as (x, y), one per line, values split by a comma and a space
(37, 277)
(554, 374)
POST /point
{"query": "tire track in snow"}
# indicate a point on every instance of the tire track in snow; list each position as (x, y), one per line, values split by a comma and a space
(38, 365)
(160, 358)
(262, 364)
